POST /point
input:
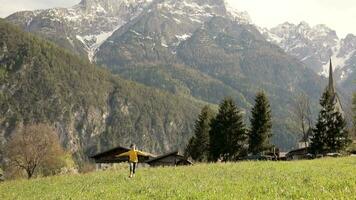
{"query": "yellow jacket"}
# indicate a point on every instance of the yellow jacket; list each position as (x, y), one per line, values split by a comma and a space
(133, 155)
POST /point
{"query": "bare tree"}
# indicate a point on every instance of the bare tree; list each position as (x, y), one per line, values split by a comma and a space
(302, 115)
(33, 146)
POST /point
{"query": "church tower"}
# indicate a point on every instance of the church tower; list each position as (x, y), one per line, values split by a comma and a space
(332, 91)
(331, 86)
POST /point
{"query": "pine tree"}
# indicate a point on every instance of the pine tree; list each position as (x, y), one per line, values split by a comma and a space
(330, 133)
(190, 150)
(261, 125)
(198, 147)
(354, 114)
(228, 133)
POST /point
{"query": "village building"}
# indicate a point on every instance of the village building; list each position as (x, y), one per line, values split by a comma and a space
(298, 154)
(303, 144)
(110, 157)
(169, 159)
(305, 140)
(1, 175)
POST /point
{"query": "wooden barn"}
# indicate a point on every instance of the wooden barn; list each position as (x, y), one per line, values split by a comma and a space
(109, 156)
(169, 159)
(298, 154)
(1, 175)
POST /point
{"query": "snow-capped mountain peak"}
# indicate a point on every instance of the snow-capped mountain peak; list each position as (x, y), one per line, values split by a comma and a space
(314, 46)
(92, 22)
(240, 16)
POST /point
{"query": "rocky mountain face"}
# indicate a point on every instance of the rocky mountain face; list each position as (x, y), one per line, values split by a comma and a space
(202, 49)
(314, 46)
(84, 27)
(91, 109)
(216, 46)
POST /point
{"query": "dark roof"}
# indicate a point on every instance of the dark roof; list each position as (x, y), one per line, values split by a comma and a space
(163, 156)
(298, 151)
(174, 153)
(110, 151)
(258, 157)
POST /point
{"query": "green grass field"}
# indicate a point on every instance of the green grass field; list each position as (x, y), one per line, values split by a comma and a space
(332, 178)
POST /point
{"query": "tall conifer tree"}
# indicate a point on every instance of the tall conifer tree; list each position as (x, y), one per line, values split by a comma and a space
(228, 133)
(354, 115)
(198, 147)
(330, 133)
(261, 125)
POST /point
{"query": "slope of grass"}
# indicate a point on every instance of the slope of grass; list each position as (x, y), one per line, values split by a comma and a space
(317, 179)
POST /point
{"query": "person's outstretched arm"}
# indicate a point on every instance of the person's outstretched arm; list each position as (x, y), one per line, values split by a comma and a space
(141, 153)
(123, 154)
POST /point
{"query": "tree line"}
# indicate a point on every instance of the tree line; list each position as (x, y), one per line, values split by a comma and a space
(225, 136)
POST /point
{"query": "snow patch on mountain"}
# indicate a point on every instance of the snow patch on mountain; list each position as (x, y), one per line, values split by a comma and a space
(93, 42)
(339, 61)
(183, 37)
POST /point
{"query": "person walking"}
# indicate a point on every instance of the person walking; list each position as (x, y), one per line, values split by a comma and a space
(133, 158)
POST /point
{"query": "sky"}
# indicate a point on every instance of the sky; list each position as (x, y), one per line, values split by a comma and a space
(339, 15)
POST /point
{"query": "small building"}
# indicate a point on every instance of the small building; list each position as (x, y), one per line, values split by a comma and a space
(1, 175)
(298, 154)
(257, 157)
(110, 156)
(169, 159)
(306, 139)
(282, 156)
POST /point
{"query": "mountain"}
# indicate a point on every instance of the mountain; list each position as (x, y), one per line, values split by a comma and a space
(197, 48)
(83, 27)
(226, 49)
(314, 46)
(91, 109)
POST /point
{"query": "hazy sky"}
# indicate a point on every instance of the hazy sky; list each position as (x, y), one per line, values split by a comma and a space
(337, 14)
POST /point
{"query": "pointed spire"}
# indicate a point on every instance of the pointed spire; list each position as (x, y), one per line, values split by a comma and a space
(331, 79)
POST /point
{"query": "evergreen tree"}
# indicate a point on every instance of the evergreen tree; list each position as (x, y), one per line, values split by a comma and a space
(190, 150)
(354, 114)
(228, 133)
(198, 146)
(330, 133)
(261, 125)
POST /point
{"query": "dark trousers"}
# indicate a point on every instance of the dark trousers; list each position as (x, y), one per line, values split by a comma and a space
(132, 167)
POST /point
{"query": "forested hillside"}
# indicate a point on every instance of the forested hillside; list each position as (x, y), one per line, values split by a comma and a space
(91, 109)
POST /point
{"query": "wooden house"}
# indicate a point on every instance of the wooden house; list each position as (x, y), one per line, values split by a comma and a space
(169, 159)
(1, 175)
(109, 156)
(298, 154)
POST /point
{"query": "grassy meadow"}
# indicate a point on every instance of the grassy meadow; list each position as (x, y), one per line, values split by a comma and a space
(331, 178)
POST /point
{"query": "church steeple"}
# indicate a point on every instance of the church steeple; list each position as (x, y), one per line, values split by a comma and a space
(331, 79)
